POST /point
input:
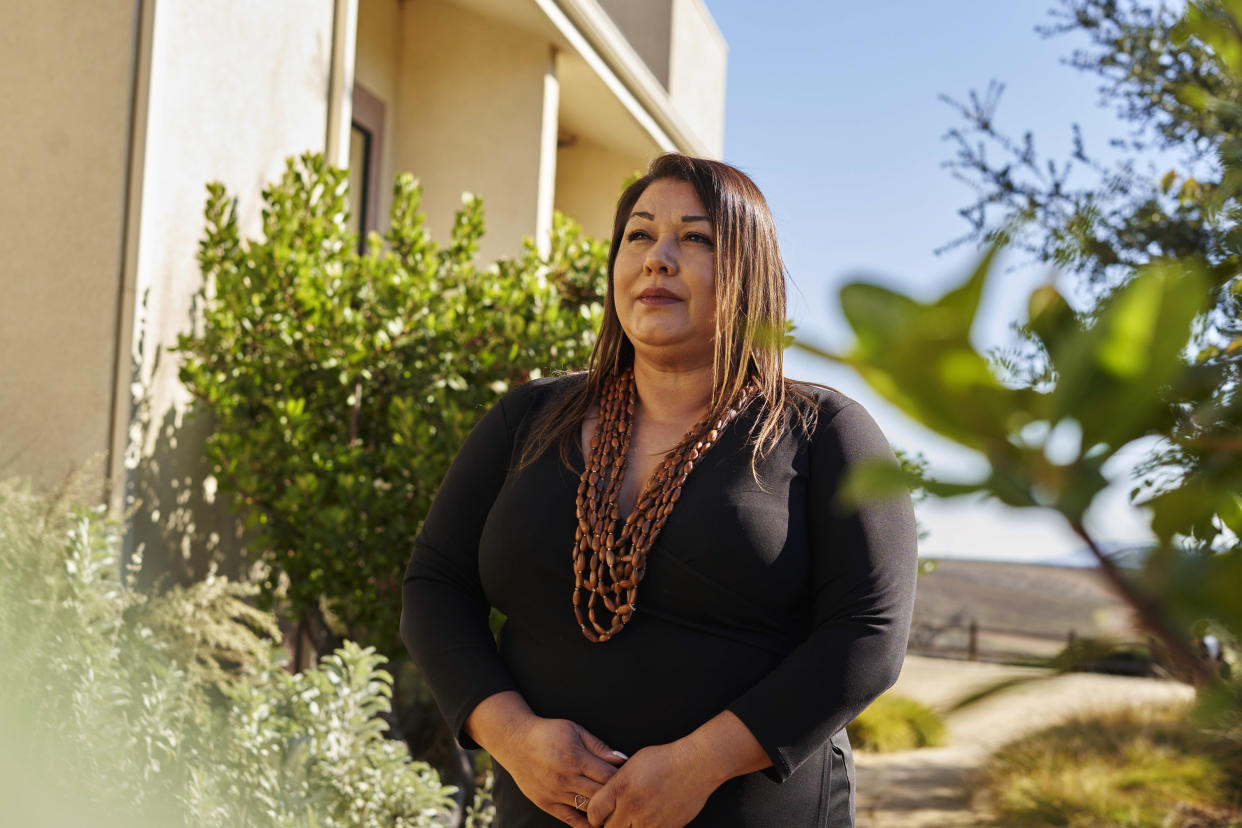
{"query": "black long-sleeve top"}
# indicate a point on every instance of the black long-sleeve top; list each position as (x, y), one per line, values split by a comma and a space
(761, 598)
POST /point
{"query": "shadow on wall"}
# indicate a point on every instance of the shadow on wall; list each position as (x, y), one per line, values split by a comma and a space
(178, 529)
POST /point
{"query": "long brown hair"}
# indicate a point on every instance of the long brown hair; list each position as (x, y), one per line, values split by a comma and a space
(750, 313)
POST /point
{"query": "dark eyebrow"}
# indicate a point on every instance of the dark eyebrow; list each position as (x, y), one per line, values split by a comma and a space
(649, 217)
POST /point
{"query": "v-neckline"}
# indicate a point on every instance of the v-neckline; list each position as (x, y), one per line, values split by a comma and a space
(581, 467)
(582, 464)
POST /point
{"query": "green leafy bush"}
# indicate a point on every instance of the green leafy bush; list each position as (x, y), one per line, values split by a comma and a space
(120, 708)
(894, 723)
(1134, 768)
(1094, 655)
(341, 384)
(313, 743)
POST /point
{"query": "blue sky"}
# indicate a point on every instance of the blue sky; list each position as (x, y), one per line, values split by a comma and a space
(833, 109)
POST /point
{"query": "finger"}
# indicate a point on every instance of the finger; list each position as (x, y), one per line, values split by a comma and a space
(595, 768)
(597, 746)
(569, 816)
(600, 761)
(584, 785)
(581, 790)
(602, 806)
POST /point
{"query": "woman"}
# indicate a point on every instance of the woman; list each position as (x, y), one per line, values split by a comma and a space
(692, 619)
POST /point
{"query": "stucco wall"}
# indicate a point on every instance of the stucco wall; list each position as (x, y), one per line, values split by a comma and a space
(235, 88)
(67, 70)
(697, 61)
(645, 24)
(680, 43)
(588, 183)
(378, 68)
(470, 118)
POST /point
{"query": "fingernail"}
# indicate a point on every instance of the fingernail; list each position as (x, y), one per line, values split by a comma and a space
(619, 753)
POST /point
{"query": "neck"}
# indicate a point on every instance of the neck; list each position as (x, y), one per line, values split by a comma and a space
(674, 395)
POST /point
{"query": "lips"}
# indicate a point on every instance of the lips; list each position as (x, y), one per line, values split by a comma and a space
(658, 296)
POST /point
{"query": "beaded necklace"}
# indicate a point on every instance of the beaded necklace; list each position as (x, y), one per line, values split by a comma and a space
(608, 567)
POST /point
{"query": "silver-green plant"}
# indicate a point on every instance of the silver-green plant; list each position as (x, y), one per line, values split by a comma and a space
(127, 709)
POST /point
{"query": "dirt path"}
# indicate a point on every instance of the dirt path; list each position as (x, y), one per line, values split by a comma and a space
(932, 787)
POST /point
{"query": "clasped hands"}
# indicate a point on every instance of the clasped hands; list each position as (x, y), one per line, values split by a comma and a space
(570, 773)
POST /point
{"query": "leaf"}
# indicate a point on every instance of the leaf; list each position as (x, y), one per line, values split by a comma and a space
(920, 357)
(881, 478)
(1113, 376)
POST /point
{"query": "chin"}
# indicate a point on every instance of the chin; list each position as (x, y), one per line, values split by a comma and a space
(659, 340)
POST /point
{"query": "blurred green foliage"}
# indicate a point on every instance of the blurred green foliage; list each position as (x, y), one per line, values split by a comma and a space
(1098, 655)
(1174, 81)
(120, 708)
(1113, 382)
(893, 723)
(342, 384)
(1139, 364)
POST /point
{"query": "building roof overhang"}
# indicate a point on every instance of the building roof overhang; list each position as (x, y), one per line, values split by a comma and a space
(608, 94)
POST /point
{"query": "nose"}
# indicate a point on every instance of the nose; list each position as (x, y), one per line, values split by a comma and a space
(662, 256)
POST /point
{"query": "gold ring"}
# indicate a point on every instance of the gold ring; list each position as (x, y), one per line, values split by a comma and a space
(581, 802)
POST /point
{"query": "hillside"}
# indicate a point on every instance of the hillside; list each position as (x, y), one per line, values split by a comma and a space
(1021, 609)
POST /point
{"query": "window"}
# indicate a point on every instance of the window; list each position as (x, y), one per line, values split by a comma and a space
(366, 140)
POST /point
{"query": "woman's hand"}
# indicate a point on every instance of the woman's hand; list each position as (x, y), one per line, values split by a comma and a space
(557, 764)
(667, 785)
(658, 787)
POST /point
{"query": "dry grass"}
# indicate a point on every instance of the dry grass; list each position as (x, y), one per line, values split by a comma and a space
(1140, 768)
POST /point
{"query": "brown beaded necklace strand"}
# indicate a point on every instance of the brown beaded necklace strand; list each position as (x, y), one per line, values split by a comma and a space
(610, 568)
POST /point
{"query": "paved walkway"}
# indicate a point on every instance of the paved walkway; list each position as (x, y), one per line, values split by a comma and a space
(933, 786)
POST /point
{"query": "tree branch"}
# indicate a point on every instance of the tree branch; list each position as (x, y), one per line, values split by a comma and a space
(1149, 616)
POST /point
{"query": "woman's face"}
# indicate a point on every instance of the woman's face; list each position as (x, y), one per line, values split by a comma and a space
(664, 277)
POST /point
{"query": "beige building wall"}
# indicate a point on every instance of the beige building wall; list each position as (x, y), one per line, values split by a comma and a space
(378, 69)
(470, 116)
(588, 182)
(476, 91)
(646, 25)
(236, 87)
(686, 54)
(698, 56)
(68, 71)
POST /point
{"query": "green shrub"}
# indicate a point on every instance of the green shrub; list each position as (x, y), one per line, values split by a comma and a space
(1094, 655)
(482, 812)
(894, 723)
(341, 384)
(120, 708)
(1133, 768)
(313, 743)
